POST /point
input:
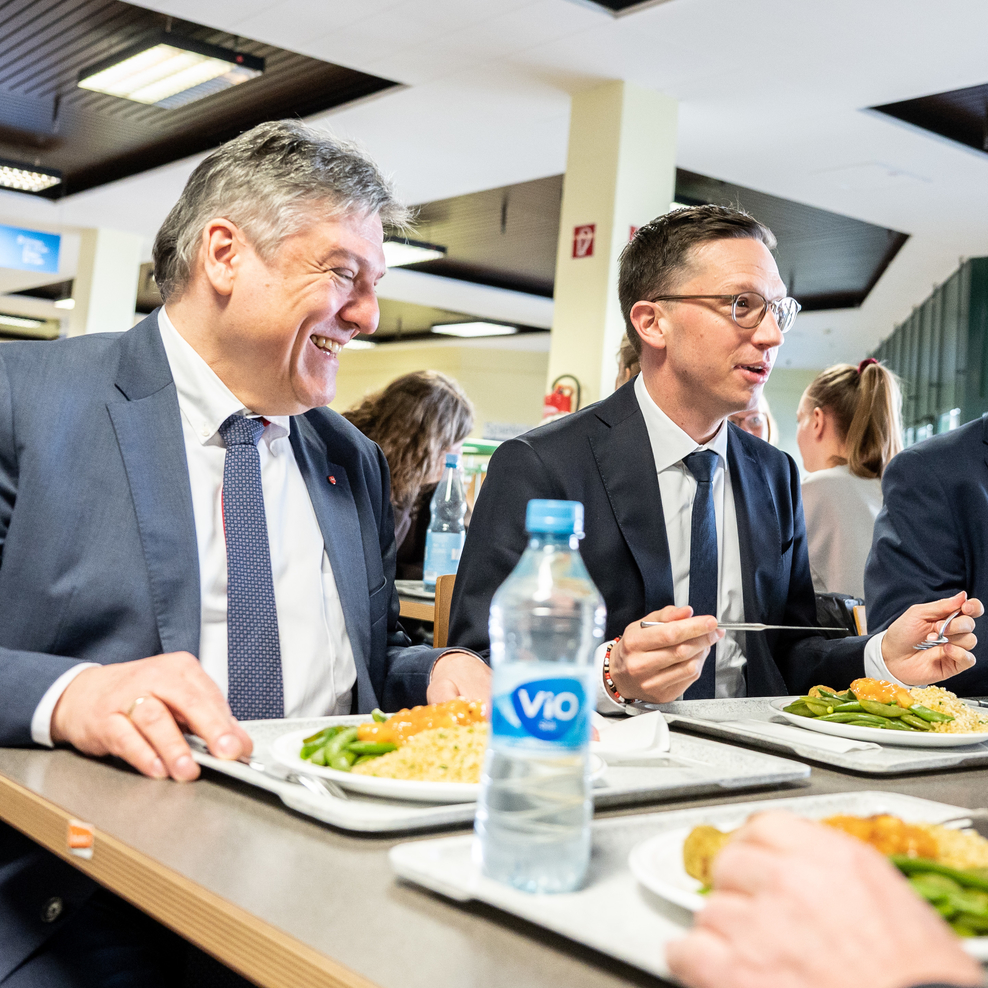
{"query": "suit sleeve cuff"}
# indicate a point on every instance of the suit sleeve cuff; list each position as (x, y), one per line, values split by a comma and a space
(874, 664)
(41, 719)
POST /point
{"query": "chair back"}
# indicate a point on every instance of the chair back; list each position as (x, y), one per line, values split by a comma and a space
(444, 597)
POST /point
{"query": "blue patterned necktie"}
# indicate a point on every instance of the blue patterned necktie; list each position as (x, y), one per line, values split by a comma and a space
(253, 651)
(703, 561)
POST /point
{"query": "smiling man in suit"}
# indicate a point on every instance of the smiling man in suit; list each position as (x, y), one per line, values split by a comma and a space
(689, 520)
(188, 537)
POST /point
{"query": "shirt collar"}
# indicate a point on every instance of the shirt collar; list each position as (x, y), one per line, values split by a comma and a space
(205, 401)
(670, 443)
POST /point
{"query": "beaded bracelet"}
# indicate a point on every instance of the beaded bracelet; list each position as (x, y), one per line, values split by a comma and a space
(612, 691)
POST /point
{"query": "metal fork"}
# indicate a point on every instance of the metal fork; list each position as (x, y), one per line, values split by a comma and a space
(941, 638)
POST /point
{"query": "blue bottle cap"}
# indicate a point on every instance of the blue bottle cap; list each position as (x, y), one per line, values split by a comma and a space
(452, 460)
(555, 517)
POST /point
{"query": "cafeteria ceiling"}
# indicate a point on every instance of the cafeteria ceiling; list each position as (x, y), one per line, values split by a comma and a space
(773, 96)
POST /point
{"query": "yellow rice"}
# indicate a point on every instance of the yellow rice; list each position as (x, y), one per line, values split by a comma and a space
(443, 754)
(960, 849)
(966, 719)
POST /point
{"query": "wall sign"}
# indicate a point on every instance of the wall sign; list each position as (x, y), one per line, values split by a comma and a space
(29, 250)
(583, 237)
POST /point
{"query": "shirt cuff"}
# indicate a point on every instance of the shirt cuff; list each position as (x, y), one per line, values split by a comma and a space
(41, 720)
(874, 664)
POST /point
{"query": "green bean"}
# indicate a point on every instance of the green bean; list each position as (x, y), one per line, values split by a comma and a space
(881, 709)
(914, 866)
(917, 723)
(931, 715)
(828, 695)
(340, 741)
(799, 709)
(379, 715)
(845, 707)
(341, 761)
(818, 707)
(845, 717)
(371, 747)
(869, 720)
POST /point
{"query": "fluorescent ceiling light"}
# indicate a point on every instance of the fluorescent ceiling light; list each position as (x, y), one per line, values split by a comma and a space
(400, 252)
(360, 345)
(20, 322)
(65, 303)
(27, 178)
(169, 71)
(474, 329)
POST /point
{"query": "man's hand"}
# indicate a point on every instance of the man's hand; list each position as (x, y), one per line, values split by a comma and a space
(776, 917)
(657, 664)
(922, 621)
(92, 715)
(459, 674)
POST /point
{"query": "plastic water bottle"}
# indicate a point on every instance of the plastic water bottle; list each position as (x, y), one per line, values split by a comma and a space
(447, 533)
(547, 618)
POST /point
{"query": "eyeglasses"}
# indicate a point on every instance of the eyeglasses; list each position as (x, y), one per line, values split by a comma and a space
(748, 309)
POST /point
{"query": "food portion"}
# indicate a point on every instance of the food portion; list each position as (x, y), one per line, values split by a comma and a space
(948, 868)
(445, 740)
(441, 754)
(876, 703)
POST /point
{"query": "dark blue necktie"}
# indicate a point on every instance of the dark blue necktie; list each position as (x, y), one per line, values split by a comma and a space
(703, 561)
(253, 650)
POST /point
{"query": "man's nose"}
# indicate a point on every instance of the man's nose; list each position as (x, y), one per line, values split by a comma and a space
(363, 312)
(768, 335)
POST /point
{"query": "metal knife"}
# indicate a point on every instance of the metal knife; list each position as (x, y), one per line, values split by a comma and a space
(756, 627)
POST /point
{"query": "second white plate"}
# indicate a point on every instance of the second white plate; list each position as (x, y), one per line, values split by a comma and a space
(903, 739)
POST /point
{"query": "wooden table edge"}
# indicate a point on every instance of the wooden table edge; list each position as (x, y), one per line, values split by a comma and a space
(250, 946)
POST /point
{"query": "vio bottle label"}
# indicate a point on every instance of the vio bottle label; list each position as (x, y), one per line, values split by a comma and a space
(552, 710)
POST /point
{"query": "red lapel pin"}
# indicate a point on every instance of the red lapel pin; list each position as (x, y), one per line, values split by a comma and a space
(331, 479)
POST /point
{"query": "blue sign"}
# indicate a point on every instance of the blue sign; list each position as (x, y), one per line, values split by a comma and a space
(29, 250)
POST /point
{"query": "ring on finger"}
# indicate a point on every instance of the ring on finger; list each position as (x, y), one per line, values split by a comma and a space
(129, 712)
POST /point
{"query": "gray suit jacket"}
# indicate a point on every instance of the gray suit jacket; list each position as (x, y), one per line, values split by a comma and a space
(98, 556)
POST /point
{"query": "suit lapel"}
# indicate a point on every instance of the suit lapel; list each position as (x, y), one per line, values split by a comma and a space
(624, 458)
(148, 427)
(336, 512)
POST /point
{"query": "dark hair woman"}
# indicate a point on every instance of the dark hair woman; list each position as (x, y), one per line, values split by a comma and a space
(849, 428)
(416, 420)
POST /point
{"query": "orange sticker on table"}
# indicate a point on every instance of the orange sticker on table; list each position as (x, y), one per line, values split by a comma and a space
(81, 838)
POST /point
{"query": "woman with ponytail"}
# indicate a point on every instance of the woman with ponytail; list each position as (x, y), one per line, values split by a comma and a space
(849, 428)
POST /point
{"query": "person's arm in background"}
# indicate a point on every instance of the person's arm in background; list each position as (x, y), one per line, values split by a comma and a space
(777, 918)
(920, 547)
(496, 538)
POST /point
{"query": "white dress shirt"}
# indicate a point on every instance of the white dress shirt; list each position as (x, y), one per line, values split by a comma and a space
(318, 668)
(677, 488)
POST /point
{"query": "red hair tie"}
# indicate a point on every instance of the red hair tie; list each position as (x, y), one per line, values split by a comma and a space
(864, 363)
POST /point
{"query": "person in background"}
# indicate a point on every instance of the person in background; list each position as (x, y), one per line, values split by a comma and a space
(416, 420)
(849, 428)
(628, 364)
(775, 919)
(758, 422)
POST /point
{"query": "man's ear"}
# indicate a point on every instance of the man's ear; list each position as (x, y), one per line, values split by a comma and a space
(222, 253)
(648, 319)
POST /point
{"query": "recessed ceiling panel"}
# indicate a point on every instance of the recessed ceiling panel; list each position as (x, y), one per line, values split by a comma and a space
(93, 138)
(960, 115)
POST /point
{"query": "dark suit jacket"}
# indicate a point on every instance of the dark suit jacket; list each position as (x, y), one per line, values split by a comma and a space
(931, 536)
(602, 457)
(98, 555)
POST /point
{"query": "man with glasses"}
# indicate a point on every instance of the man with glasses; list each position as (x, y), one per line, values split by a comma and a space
(707, 529)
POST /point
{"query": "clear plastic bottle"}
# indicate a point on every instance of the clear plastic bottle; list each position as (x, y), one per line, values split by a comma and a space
(533, 816)
(447, 532)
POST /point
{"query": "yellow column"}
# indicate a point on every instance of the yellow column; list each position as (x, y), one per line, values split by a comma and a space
(620, 173)
(105, 286)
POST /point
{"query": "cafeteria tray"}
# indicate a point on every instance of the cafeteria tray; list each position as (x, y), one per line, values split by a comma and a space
(737, 721)
(414, 588)
(692, 767)
(613, 913)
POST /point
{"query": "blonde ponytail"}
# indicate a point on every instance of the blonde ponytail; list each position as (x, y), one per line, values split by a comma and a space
(866, 404)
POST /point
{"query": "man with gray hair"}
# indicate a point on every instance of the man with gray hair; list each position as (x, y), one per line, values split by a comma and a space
(189, 539)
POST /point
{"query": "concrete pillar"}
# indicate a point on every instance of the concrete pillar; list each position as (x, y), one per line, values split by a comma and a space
(105, 287)
(620, 173)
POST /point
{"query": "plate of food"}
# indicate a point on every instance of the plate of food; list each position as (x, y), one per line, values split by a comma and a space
(428, 754)
(885, 713)
(946, 865)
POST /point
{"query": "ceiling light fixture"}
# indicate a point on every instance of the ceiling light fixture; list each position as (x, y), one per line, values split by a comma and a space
(27, 178)
(400, 251)
(169, 71)
(20, 322)
(65, 303)
(471, 329)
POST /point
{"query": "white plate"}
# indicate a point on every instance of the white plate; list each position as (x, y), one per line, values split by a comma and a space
(286, 750)
(903, 739)
(657, 863)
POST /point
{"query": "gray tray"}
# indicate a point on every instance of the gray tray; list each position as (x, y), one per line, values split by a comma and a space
(613, 913)
(725, 719)
(693, 767)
